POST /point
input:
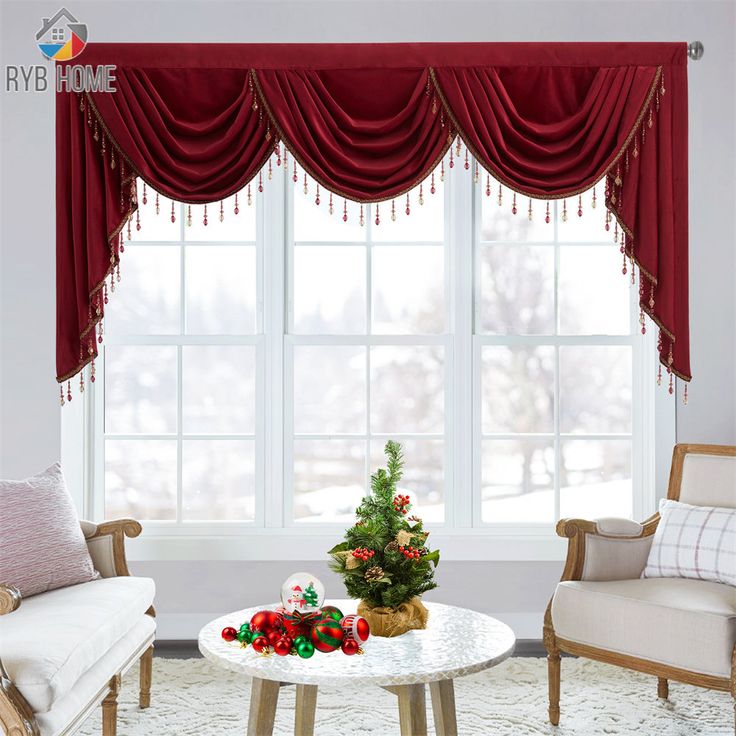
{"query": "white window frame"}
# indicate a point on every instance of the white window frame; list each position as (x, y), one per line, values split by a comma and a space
(272, 535)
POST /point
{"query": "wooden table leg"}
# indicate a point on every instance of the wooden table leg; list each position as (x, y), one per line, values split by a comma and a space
(412, 710)
(443, 707)
(306, 705)
(264, 695)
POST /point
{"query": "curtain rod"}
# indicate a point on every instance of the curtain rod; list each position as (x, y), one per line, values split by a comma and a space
(695, 50)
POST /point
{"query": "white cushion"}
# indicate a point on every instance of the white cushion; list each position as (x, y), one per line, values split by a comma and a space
(91, 687)
(55, 637)
(697, 542)
(690, 624)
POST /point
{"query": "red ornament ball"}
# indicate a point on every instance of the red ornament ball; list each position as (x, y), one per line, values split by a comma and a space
(350, 647)
(327, 635)
(282, 647)
(260, 644)
(356, 627)
(265, 621)
(229, 633)
(273, 636)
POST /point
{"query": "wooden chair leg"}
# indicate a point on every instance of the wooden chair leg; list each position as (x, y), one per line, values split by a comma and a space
(110, 708)
(553, 677)
(663, 688)
(144, 698)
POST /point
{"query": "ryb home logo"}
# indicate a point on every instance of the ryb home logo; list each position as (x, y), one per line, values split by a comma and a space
(61, 38)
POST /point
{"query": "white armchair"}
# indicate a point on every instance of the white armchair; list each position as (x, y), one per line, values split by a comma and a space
(63, 652)
(673, 628)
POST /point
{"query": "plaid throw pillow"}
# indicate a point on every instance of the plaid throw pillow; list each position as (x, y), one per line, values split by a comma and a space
(696, 542)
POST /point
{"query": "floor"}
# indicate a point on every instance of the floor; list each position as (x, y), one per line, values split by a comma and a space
(193, 697)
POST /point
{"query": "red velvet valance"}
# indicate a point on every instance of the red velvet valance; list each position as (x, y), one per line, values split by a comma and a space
(369, 122)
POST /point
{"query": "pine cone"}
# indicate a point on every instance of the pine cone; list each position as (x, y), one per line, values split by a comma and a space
(372, 574)
(392, 546)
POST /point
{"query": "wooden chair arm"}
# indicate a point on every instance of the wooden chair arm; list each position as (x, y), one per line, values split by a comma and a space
(577, 531)
(113, 557)
(10, 599)
(117, 530)
(16, 716)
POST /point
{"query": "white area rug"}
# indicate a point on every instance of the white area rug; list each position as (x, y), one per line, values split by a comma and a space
(193, 697)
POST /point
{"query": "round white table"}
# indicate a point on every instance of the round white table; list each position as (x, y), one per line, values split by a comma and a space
(456, 642)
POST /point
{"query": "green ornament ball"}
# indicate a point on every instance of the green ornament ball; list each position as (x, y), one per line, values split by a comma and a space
(305, 649)
(253, 635)
(245, 627)
(332, 612)
(299, 640)
(244, 636)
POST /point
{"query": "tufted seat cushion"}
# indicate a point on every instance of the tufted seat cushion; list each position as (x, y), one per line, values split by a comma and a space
(690, 624)
(55, 637)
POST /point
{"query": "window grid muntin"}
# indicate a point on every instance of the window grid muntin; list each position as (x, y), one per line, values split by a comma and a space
(556, 340)
(179, 341)
(368, 341)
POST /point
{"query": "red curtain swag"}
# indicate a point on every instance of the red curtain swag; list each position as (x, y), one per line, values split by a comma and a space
(369, 123)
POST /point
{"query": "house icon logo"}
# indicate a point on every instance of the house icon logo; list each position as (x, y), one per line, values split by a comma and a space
(62, 38)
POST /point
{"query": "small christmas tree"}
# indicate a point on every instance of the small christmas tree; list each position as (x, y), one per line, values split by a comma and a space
(310, 596)
(384, 559)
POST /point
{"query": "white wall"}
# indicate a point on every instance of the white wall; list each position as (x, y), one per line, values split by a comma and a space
(29, 412)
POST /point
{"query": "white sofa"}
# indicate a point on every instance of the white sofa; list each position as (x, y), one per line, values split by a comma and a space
(63, 652)
(673, 628)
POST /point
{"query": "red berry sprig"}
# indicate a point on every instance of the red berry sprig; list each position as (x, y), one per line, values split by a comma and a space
(411, 553)
(402, 504)
(363, 553)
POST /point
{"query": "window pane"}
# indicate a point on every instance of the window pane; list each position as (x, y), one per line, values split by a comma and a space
(221, 289)
(329, 389)
(240, 227)
(314, 222)
(518, 389)
(591, 226)
(140, 479)
(329, 289)
(518, 481)
(407, 389)
(595, 389)
(408, 289)
(156, 226)
(329, 479)
(218, 390)
(594, 296)
(425, 223)
(595, 479)
(517, 290)
(218, 480)
(140, 389)
(424, 475)
(500, 224)
(146, 300)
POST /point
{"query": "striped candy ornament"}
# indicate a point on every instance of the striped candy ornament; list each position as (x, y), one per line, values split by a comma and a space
(327, 635)
(356, 627)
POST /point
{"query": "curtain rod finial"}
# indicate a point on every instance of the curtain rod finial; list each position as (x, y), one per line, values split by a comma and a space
(695, 50)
